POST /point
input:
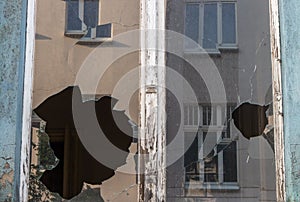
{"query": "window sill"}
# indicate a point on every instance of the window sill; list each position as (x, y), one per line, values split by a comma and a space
(202, 52)
(75, 33)
(228, 48)
(212, 186)
(211, 52)
(94, 41)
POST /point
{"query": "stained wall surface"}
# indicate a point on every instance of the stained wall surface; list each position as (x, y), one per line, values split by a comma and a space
(12, 42)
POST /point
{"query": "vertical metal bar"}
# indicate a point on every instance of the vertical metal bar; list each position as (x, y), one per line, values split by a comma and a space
(152, 144)
(277, 100)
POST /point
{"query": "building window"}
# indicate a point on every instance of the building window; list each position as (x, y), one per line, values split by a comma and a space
(211, 24)
(82, 19)
(211, 151)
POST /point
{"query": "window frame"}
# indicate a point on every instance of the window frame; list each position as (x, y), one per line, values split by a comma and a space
(218, 128)
(80, 16)
(219, 45)
(22, 180)
(85, 30)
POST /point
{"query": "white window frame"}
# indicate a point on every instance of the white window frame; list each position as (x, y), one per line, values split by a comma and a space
(81, 14)
(84, 29)
(220, 45)
(219, 128)
(81, 17)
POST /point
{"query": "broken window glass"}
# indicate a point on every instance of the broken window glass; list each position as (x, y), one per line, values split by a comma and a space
(221, 50)
(84, 130)
(87, 144)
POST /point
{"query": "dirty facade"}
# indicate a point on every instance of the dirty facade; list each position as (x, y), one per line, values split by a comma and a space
(219, 141)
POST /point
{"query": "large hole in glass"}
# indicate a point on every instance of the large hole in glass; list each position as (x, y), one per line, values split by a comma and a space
(62, 163)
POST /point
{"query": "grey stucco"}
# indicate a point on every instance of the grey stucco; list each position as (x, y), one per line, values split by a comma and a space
(12, 43)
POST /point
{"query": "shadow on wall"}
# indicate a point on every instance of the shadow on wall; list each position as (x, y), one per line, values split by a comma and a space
(76, 165)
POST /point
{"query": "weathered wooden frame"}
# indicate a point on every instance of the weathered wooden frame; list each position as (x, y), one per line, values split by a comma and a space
(277, 100)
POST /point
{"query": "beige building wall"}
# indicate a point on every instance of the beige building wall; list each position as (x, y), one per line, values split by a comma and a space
(58, 58)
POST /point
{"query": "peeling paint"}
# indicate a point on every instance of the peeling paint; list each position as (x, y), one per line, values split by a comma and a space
(290, 61)
(12, 62)
(277, 101)
(152, 102)
(7, 178)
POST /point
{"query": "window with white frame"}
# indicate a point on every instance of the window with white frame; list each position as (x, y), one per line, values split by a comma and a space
(212, 24)
(211, 157)
(82, 18)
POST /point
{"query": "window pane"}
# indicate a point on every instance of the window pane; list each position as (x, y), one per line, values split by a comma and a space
(230, 163)
(190, 115)
(91, 13)
(208, 115)
(192, 21)
(104, 30)
(196, 122)
(211, 170)
(186, 115)
(210, 30)
(214, 114)
(191, 157)
(73, 21)
(228, 23)
(210, 157)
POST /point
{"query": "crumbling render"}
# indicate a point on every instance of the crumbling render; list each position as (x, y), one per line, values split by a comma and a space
(6, 179)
